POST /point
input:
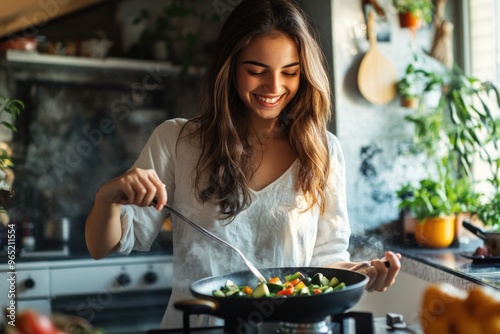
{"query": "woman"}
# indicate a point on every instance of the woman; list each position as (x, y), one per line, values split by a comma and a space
(258, 167)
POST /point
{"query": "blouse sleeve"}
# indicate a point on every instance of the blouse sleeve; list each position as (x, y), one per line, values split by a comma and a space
(334, 231)
(140, 226)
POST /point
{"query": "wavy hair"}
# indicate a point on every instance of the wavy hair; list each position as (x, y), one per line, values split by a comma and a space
(225, 166)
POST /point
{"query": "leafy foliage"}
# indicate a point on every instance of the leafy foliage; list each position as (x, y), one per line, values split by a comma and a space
(428, 199)
(463, 126)
(13, 108)
(417, 81)
(489, 212)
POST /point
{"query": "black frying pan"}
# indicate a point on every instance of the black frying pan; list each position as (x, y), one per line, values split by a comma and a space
(298, 309)
(491, 239)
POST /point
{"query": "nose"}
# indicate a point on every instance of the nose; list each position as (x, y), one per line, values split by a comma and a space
(273, 83)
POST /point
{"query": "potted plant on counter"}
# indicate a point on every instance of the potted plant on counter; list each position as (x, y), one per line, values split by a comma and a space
(433, 209)
(413, 13)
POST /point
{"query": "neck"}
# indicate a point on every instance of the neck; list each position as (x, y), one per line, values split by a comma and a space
(268, 130)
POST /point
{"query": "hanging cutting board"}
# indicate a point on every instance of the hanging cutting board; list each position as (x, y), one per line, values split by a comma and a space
(377, 76)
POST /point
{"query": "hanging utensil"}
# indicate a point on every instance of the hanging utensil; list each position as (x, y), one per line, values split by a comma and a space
(207, 233)
(377, 77)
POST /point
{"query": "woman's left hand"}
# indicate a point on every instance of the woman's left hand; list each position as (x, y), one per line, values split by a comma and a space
(381, 272)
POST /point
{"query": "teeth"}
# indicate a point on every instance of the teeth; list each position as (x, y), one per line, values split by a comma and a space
(267, 99)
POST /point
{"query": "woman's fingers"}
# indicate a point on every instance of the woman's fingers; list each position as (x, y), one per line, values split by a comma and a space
(394, 267)
(381, 272)
(160, 192)
(140, 187)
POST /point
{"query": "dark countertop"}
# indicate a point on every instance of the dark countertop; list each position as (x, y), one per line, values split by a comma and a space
(450, 264)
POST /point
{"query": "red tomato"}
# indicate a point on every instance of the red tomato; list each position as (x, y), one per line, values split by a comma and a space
(286, 292)
(31, 322)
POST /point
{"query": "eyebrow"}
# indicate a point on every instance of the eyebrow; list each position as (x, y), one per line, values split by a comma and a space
(256, 63)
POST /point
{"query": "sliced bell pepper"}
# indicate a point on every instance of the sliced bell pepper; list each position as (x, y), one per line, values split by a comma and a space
(286, 292)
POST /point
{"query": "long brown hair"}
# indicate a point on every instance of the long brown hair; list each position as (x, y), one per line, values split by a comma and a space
(225, 165)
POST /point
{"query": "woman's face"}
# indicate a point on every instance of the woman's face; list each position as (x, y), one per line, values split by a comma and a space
(268, 75)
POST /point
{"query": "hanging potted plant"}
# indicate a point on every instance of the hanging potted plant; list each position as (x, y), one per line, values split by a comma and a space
(415, 83)
(413, 13)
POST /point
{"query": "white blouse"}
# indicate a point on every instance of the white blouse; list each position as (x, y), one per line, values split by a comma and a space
(272, 232)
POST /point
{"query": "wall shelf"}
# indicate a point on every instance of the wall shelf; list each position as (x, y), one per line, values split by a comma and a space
(32, 66)
(122, 64)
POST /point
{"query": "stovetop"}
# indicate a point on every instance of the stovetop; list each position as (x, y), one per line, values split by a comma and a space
(379, 327)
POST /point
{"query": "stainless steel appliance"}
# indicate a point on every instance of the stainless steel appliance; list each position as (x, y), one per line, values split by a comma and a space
(119, 294)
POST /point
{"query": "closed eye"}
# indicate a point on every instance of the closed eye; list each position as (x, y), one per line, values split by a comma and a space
(256, 74)
(290, 74)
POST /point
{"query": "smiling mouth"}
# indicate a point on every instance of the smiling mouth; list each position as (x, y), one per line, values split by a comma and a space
(270, 100)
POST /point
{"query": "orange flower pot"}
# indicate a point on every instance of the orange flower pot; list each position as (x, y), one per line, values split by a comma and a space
(436, 232)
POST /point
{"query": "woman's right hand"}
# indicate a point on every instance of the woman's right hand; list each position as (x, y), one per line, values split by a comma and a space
(137, 186)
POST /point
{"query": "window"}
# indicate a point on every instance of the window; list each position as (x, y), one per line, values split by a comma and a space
(483, 57)
(484, 39)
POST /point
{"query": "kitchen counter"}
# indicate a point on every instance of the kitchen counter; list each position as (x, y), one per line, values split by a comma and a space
(452, 265)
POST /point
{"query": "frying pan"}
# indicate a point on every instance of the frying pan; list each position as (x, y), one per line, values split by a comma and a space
(297, 309)
(491, 239)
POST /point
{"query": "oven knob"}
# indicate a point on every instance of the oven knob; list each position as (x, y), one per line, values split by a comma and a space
(29, 283)
(123, 280)
(150, 277)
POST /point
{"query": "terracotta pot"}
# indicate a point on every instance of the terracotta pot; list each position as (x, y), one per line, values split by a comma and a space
(436, 232)
(409, 102)
(408, 20)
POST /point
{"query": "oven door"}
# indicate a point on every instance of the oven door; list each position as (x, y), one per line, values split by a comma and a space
(117, 313)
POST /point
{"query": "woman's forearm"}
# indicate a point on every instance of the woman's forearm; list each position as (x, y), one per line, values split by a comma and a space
(103, 229)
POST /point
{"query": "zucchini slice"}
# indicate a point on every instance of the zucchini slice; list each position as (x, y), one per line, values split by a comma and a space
(261, 291)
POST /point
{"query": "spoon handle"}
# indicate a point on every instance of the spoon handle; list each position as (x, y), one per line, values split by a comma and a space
(207, 233)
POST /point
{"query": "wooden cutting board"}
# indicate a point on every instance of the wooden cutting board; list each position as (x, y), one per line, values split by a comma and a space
(377, 76)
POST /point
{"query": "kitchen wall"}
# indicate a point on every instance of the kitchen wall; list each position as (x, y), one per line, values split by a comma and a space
(375, 138)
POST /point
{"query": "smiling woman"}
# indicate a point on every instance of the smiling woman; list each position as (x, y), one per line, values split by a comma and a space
(258, 167)
(268, 75)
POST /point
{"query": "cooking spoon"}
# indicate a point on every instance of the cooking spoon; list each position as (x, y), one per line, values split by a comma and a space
(207, 233)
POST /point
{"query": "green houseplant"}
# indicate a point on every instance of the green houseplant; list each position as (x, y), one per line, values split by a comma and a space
(430, 205)
(436, 204)
(489, 213)
(415, 83)
(427, 199)
(413, 13)
(12, 108)
(462, 128)
(462, 125)
(469, 103)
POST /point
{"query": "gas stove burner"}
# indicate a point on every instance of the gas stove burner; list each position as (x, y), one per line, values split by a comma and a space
(307, 328)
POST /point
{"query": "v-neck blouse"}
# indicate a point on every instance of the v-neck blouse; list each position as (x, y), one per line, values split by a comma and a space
(274, 231)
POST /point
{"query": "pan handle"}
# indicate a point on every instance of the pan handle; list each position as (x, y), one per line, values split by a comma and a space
(476, 230)
(194, 306)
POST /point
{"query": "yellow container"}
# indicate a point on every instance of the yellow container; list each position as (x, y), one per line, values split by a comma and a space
(436, 232)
